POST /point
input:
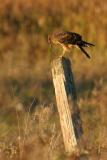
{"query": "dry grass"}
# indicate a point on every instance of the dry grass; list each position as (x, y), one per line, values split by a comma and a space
(27, 130)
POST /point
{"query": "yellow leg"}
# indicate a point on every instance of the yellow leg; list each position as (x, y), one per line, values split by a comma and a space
(65, 48)
(63, 51)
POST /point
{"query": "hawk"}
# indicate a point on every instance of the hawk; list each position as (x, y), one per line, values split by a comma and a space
(68, 39)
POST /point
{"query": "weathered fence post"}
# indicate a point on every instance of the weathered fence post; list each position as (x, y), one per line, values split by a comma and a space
(67, 103)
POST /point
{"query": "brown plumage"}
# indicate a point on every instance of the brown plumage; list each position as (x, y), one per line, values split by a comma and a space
(67, 39)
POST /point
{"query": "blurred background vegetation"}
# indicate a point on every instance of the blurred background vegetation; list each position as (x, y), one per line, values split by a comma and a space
(29, 123)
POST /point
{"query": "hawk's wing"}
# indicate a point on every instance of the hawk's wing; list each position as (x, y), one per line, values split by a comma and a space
(68, 37)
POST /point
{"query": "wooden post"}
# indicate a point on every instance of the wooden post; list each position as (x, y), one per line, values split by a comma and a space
(67, 104)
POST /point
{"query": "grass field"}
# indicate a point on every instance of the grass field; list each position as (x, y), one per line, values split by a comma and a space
(29, 122)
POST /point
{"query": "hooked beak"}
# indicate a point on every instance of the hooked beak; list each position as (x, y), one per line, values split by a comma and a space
(49, 40)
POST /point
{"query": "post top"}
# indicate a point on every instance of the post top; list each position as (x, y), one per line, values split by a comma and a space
(59, 65)
(60, 60)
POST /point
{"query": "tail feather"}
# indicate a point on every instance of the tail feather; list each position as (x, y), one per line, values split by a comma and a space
(84, 52)
(86, 44)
